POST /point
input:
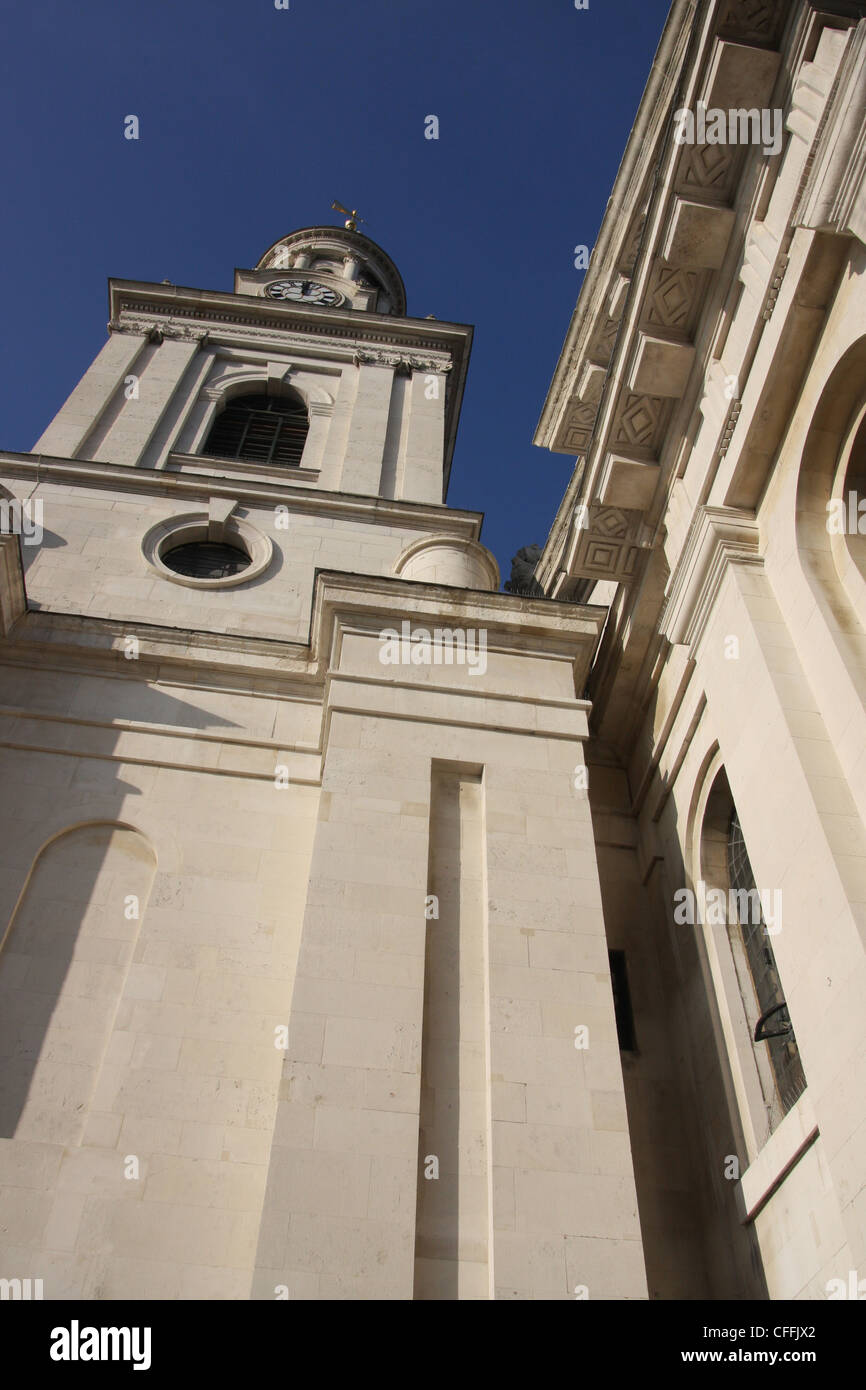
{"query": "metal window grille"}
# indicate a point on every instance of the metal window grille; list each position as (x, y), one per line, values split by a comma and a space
(260, 429)
(206, 560)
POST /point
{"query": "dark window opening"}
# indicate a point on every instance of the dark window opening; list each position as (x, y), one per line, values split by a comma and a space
(622, 1002)
(206, 560)
(774, 1025)
(260, 429)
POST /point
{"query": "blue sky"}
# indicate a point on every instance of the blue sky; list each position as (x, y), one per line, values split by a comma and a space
(253, 119)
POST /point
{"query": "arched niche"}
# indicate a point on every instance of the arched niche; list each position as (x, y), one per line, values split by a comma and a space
(64, 959)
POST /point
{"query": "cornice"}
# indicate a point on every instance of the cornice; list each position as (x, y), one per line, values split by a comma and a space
(166, 305)
(628, 375)
(83, 643)
(158, 328)
(527, 626)
(512, 615)
(184, 486)
(630, 180)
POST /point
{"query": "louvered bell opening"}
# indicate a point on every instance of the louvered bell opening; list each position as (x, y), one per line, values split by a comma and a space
(260, 429)
(289, 445)
(206, 560)
(261, 435)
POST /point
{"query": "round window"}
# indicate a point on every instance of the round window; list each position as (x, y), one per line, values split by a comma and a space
(185, 550)
(206, 560)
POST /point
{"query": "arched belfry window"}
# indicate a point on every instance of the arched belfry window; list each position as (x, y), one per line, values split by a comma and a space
(260, 429)
(774, 1026)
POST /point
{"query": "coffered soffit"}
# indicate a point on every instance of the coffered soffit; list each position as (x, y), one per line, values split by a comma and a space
(630, 358)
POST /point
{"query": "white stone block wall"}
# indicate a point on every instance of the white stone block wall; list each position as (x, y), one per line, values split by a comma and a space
(146, 403)
(339, 1214)
(186, 1083)
(91, 560)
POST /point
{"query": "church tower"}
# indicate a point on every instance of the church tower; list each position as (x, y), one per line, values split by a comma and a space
(304, 987)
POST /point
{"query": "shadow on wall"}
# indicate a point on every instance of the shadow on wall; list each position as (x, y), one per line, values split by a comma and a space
(72, 908)
(63, 964)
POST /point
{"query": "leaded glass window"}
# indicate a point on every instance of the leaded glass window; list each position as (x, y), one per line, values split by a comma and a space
(777, 1032)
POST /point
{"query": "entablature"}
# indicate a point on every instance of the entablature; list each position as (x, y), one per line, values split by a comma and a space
(215, 319)
(690, 261)
(247, 491)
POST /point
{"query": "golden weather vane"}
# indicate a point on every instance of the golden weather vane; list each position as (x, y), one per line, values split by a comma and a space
(352, 218)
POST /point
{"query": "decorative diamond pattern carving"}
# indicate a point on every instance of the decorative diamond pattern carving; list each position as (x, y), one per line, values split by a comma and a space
(752, 19)
(609, 544)
(601, 349)
(583, 415)
(579, 424)
(706, 166)
(600, 561)
(611, 522)
(672, 297)
(601, 557)
(638, 420)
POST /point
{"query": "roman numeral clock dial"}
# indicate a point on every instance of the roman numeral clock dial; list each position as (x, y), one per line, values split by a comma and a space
(303, 292)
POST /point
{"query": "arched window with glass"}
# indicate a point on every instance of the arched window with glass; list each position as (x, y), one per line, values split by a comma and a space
(773, 1026)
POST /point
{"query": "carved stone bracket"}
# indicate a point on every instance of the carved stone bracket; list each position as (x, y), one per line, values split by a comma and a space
(401, 362)
(755, 21)
(639, 421)
(237, 330)
(579, 425)
(604, 542)
(158, 330)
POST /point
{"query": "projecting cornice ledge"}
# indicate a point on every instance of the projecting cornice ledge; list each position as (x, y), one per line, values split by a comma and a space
(518, 627)
(718, 537)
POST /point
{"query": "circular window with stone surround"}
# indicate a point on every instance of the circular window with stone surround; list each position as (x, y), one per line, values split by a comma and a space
(202, 553)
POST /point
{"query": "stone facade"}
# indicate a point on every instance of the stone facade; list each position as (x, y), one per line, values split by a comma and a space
(344, 948)
(303, 943)
(712, 383)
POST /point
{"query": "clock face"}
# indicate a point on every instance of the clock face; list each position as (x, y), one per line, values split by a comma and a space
(303, 291)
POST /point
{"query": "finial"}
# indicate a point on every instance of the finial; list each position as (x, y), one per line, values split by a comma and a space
(352, 218)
